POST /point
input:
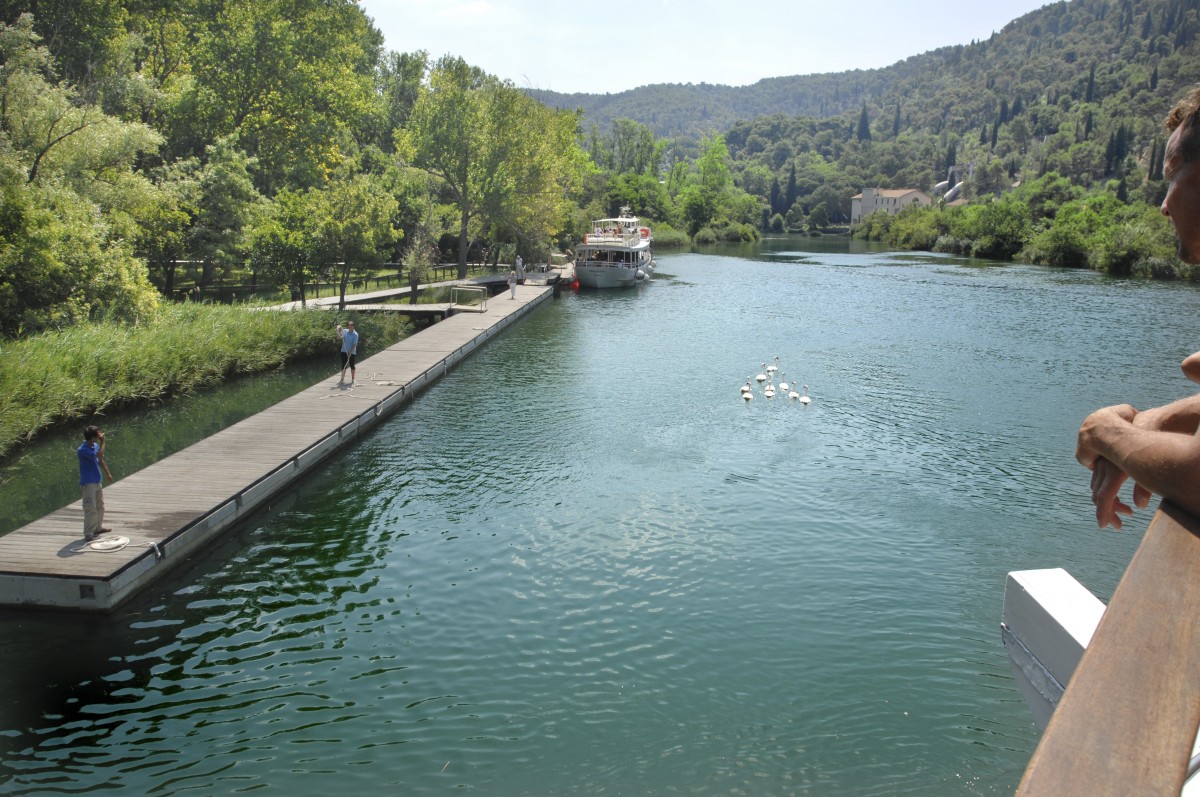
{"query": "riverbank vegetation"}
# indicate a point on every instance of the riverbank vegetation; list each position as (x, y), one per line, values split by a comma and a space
(85, 370)
(1048, 222)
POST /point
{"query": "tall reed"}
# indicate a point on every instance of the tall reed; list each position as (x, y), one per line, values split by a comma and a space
(70, 375)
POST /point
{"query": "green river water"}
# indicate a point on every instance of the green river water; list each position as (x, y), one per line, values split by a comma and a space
(582, 564)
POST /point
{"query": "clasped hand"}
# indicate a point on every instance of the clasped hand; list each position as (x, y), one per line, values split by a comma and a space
(1107, 477)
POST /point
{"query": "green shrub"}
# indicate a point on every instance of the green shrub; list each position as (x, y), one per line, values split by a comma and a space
(952, 245)
(916, 228)
(666, 235)
(1060, 245)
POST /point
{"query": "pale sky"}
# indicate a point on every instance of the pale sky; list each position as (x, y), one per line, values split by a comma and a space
(568, 46)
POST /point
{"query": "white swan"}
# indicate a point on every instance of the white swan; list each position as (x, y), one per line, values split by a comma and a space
(748, 395)
(761, 376)
(769, 390)
(783, 385)
(773, 368)
(792, 394)
(805, 399)
(746, 388)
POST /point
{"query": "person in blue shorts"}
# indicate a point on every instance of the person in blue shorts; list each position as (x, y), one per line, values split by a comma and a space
(91, 461)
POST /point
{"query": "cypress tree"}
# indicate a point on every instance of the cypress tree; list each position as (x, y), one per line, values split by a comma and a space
(1183, 36)
(864, 125)
(1168, 20)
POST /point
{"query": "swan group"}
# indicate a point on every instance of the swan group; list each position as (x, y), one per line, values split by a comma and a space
(766, 380)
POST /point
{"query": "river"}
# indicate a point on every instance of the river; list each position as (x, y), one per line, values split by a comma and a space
(582, 564)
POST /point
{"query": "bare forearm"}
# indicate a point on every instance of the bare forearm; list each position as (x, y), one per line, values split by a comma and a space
(1165, 462)
(1181, 416)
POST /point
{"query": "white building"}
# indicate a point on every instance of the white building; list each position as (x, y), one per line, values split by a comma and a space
(889, 200)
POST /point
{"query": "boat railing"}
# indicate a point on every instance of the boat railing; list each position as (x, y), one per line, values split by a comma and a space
(1128, 719)
(623, 236)
(585, 261)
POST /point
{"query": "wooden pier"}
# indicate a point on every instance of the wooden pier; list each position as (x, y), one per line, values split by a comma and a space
(174, 507)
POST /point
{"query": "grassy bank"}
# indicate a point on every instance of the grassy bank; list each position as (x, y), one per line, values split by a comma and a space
(69, 376)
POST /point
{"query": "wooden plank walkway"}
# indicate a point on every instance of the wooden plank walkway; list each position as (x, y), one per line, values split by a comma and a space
(547, 277)
(432, 310)
(178, 504)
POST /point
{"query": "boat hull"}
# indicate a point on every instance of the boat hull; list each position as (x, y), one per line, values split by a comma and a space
(605, 276)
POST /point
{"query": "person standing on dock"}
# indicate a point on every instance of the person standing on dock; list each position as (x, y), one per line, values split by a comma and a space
(1159, 448)
(91, 461)
(512, 284)
(349, 338)
(520, 271)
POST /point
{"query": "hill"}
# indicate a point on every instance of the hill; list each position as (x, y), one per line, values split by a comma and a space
(693, 109)
(1145, 49)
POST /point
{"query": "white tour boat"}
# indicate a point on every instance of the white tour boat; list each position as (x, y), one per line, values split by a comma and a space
(616, 253)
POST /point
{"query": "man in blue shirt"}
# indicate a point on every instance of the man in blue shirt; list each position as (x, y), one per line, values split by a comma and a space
(91, 460)
(349, 350)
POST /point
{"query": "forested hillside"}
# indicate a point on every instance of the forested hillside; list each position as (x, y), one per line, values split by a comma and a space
(694, 109)
(1142, 52)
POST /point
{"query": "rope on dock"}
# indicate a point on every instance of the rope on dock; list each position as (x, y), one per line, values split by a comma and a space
(114, 544)
(374, 376)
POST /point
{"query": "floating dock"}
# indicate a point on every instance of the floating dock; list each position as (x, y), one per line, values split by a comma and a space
(172, 508)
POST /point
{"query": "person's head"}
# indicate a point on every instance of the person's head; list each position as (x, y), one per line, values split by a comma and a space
(350, 325)
(91, 433)
(1181, 168)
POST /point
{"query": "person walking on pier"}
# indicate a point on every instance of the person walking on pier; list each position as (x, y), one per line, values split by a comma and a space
(91, 461)
(512, 284)
(349, 338)
(1158, 448)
